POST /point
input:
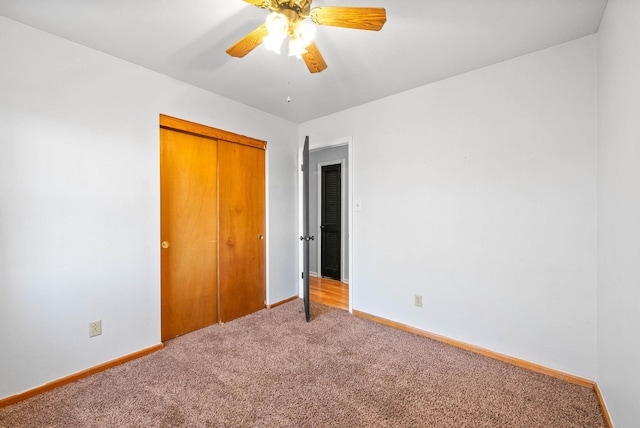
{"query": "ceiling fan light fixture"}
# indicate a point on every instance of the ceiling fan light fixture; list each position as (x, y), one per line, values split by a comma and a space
(305, 32)
(302, 36)
(295, 20)
(297, 48)
(273, 43)
(277, 26)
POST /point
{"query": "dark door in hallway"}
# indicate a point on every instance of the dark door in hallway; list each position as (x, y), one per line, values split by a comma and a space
(331, 220)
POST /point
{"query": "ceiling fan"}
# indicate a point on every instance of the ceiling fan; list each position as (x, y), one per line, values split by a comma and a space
(288, 19)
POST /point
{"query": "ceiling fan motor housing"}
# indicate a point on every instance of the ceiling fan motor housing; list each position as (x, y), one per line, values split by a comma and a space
(300, 7)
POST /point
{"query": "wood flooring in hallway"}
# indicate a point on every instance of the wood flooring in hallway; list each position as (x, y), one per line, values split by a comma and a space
(329, 292)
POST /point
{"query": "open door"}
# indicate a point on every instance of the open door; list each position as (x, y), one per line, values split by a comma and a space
(305, 238)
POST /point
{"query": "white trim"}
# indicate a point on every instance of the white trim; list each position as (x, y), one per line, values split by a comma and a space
(267, 231)
(300, 221)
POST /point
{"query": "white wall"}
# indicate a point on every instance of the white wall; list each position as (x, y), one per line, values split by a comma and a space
(619, 212)
(479, 193)
(79, 202)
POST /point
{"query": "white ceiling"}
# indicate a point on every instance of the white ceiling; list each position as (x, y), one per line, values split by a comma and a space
(423, 41)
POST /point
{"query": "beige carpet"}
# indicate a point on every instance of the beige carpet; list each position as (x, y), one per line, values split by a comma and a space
(271, 369)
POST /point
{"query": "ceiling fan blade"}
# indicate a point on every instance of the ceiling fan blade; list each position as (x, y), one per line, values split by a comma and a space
(248, 42)
(265, 4)
(313, 59)
(360, 18)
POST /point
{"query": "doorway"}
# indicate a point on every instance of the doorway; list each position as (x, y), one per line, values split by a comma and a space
(334, 159)
(329, 218)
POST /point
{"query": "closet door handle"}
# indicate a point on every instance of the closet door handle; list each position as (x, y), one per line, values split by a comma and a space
(165, 244)
(260, 237)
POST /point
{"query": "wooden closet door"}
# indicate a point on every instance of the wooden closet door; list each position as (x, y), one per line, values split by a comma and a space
(188, 196)
(241, 211)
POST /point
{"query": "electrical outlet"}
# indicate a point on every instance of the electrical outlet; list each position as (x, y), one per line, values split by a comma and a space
(95, 328)
(417, 300)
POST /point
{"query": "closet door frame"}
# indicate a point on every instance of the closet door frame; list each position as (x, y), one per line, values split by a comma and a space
(180, 125)
(207, 131)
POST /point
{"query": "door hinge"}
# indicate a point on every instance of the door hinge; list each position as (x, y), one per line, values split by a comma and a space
(302, 275)
(301, 167)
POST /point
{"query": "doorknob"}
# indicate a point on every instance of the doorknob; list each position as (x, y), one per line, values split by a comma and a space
(260, 237)
(165, 244)
(322, 226)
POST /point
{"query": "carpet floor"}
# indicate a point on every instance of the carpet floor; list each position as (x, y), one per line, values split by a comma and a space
(272, 369)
